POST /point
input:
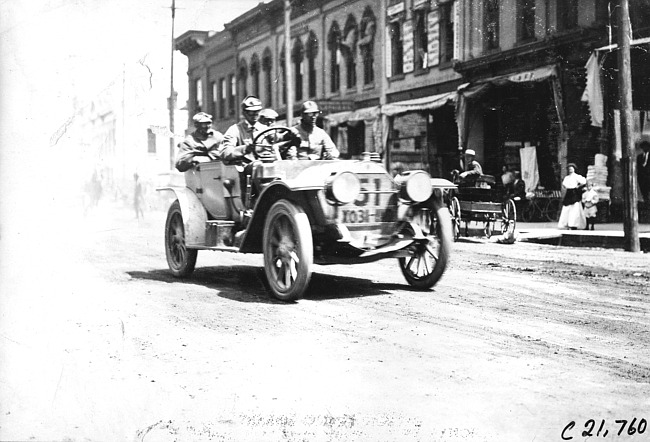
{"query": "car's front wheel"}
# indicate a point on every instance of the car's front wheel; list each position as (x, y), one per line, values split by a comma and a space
(426, 265)
(288, 250)
(180, 259)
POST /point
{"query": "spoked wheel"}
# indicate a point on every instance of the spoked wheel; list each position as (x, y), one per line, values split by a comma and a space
(508, 217)
(454, 211)
(180, 259)
(553, 210)
(288, 250)
(429, 259)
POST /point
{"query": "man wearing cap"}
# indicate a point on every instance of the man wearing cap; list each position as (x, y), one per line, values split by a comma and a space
(472, 168)
(315, 143)
(201, 145)
(267, 117)
(238, 139)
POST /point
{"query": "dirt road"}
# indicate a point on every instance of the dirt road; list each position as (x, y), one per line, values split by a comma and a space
(515, 343)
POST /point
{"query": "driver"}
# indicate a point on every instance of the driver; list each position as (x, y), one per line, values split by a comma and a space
(238, 139)
(473, 168)
(315, 143)
(201, 145)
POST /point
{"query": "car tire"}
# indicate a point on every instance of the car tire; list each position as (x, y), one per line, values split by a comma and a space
(180, 259)
(288, 250)
(426, 266)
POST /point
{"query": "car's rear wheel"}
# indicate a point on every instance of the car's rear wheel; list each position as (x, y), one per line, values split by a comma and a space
(288, 250)
(180, 259)
(426, 265)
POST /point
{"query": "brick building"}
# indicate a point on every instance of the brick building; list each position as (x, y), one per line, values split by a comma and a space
(420, 80)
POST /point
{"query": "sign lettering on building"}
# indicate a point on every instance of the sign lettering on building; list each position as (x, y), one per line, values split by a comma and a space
(407, 41)
(395, 9)
(433, 35)
(456, 16)
(389, 59)
(420, 3)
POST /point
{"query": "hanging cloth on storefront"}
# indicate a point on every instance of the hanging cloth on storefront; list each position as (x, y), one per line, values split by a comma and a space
(593, 94)
(431, 102)
(529, 168)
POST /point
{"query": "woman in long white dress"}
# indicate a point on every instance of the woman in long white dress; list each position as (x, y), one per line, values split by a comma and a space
(572, 216)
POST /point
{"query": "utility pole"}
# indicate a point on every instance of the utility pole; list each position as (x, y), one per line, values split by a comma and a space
(172, 96)
(631, 220)
(287, 61)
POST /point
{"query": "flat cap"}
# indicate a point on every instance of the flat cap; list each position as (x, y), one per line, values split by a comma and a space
(251, 103)
(470, 152)
(202, 117)
(268, 113)
(309, 107)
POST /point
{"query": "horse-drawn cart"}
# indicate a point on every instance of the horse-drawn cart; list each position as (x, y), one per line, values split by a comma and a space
(482, 202)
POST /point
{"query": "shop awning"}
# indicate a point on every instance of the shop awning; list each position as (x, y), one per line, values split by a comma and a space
(418, 104)
(368, 113)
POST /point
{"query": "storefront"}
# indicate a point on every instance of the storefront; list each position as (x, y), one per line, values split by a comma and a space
(516, 120)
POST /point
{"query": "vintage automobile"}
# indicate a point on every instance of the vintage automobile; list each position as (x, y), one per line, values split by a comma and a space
(304, 212)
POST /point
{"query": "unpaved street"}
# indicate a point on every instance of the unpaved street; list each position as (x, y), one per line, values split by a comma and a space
(99, 343)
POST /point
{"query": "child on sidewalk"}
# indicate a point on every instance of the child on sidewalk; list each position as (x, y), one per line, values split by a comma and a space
(589, 201)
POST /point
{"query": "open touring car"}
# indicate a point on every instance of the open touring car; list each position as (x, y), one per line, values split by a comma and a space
(303, 212)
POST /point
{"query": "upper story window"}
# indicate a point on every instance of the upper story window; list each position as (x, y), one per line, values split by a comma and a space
(349, 51)
(367, 45)
(334, 46)
(243, 78)
(396, 48)
(567, 14)
(491, 24)
(198, 96)
(255, 75)
(526, 20)
(223, 97)
(151, 141)
(297, 57)
(283, 77)
(447, 35)
(421, 39)
(311, 52)
(214, 93)
(232, 95)
(267, 66)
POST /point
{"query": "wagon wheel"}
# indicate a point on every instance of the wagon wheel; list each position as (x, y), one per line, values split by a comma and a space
(429, 258)
(508, 217)
(180, 259)
(454, 211)
(288, 250)
(552, 211)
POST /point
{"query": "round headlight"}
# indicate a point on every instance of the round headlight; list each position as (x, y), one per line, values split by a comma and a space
(344, 187)
(415, 185)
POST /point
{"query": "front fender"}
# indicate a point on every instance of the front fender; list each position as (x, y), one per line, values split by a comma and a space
(194, 215)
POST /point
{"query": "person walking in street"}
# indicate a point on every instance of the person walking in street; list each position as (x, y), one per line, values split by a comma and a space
(315, 143)
(200, 146)
(589, 201)
(643, 168)
(572, 216)
(138, 198)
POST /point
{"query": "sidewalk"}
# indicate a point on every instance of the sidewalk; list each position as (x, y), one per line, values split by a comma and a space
(609, 235)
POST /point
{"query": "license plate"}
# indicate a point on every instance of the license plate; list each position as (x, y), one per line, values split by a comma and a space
(357, 215)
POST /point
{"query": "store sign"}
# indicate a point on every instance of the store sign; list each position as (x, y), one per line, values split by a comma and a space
(433, 35)
(395, 9)
(420, 4)
(534, 75)
(407, 41)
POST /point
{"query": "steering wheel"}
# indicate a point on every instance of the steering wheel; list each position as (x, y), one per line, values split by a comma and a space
(260, 147)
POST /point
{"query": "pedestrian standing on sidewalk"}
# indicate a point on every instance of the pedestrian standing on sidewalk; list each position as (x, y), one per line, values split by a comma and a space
(572, 216)
(138, 198)
(589, 201)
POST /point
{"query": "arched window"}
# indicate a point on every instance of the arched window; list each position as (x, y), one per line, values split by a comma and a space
(349, 51)
(367, 45)
(242, 77)
(297, 56)
(311, 52)
(267, 67)
(334, 46)
(255, 75)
